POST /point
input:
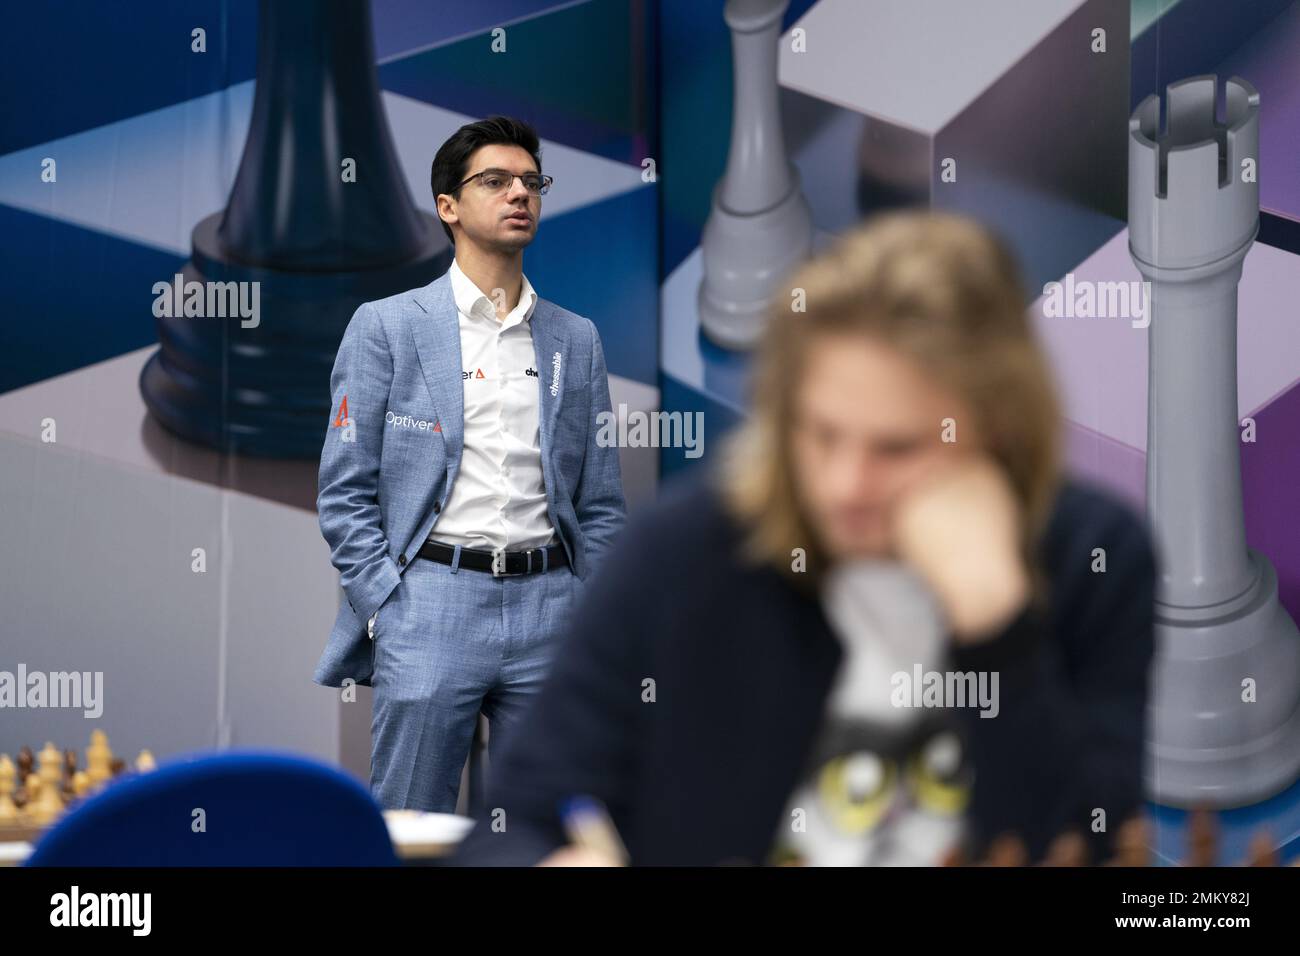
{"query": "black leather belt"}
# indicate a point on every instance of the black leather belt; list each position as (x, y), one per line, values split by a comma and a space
(499, 563)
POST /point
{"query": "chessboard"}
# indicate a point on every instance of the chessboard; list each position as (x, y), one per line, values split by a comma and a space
(38, 789)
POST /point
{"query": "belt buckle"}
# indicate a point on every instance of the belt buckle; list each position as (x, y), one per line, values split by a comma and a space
(499, 564)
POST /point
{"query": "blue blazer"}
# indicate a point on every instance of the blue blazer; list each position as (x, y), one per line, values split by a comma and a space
(391, 453)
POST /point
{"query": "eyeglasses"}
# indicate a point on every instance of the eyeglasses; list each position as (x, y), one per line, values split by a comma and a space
(499, 180)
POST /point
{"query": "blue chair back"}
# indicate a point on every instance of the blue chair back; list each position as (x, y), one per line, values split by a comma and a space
(259, 809)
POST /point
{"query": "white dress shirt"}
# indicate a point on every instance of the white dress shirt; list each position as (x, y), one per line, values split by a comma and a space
(499, 497)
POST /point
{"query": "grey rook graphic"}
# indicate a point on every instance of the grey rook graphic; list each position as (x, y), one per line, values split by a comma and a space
(1193, 216)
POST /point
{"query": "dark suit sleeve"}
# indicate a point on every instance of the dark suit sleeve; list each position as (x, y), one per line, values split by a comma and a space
(598, 499)
(1069, 736)
(347, 503)
(583, 733)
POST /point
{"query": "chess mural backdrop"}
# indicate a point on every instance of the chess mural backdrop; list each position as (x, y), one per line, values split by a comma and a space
(158, 458)
(159, 445)
(1103, 140)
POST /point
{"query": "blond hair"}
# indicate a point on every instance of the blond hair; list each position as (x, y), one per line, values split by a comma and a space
(947, 294)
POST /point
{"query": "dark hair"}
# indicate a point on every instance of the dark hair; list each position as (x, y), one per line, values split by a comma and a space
(449, 164)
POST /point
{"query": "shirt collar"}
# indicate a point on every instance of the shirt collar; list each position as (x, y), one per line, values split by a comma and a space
(471, 300)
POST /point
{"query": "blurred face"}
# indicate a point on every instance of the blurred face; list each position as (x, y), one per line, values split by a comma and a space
(502, 220)
(868, 427)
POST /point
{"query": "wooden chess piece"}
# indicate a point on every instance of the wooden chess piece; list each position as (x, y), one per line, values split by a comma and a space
(1007, 850)
(1131, 844)
(20, 795)
(145, 762)
(26, 763)
(81, 783)
(49, 802)
(8, 782)
(69, 769)
(1068, 849)
(1261, 851)
(1202, 838)
(98, 758)
(956, 856)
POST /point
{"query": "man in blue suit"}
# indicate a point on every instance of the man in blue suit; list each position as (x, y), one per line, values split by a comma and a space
(463, 492)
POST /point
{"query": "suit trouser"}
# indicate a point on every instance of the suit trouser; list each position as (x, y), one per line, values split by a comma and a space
(451, 643)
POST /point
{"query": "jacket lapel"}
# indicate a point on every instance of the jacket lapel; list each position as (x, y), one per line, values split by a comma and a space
(437, 343)
(547, 344)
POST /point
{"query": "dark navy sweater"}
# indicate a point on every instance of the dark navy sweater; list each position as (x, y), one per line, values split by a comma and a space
(742, 662)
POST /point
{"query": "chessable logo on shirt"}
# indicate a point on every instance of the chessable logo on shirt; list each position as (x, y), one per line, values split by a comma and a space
(478, 373)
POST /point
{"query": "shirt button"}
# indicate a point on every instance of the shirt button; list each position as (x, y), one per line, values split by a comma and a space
(402, 560)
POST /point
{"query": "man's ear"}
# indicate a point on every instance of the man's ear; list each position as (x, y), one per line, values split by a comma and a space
(452, 216)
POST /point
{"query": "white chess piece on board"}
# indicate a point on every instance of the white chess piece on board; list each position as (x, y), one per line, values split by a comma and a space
(49, 802)
(99, 759)
(8, 782)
